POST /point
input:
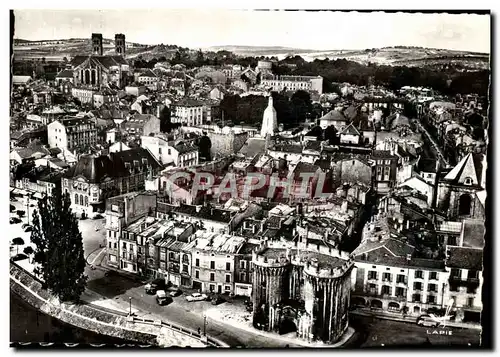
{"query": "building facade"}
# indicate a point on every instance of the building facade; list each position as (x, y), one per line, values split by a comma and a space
(71, 133)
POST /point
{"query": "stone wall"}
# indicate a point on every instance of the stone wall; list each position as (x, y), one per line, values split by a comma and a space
(93, 319)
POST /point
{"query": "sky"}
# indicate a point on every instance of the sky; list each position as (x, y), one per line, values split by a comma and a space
(198, 28)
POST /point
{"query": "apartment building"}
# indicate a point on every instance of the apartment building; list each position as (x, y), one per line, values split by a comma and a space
(188, 112)
(120, 212)
(71, 133)
(177, 153)
(213, 256)
(295, 83)
(464, 282)
(388, 278)
(386, 166)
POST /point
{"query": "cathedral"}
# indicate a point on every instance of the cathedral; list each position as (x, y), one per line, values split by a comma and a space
(96, 70)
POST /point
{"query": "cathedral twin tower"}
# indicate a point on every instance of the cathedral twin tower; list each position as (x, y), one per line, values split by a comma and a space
(97, 48)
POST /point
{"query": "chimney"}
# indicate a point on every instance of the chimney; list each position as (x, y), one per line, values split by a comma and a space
(408, 257)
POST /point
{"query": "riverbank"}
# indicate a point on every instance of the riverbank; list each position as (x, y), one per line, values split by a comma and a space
(91, 318)
(32, 328)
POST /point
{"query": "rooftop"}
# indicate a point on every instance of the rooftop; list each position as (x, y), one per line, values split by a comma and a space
(465, 258)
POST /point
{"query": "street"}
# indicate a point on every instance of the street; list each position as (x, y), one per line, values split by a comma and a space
(372, 332)
(434, 145)
(181, 312)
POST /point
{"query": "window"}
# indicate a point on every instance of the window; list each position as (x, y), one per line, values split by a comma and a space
(387, 162)
(455, 273)
(197, 274)
(228, 278)
(242, 264)
(110, 244)
(212, 276)
(386, 277)
(417, 286)
(124, 245)
(416, 298)
(470, 302)
(212, 265)
(433, 275)
(472, 274)
(197, 262)
(227, 288)
(114, 245)
(452, 240)
(386, 290)
(400, 292)
(372, 275)
(431, 299)
(468, 181)
(419, 274)
(242, 276)
(185, 268)
(228, 266)
(432, 287)
(400, 279)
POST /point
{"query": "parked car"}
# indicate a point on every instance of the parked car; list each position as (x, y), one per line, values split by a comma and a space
(162, 298)
(25, 225)
(28, 229)
(15, 220)
(196, 297)
(428, 321)
(152, 287)
(216, 300)
(175, 293)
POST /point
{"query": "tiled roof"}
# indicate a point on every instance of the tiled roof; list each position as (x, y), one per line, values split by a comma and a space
(350, 130)
(333, 115)
(465, 258)
(383, 154)
(473, 233)
(65, 73)
(188, 102)
(206, 213)
(470, 166)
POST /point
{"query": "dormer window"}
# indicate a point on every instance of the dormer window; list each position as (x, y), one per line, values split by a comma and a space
(468, 181)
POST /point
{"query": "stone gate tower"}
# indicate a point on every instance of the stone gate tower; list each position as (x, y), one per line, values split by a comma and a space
(303, 284)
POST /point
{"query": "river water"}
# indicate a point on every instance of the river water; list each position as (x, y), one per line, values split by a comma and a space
(27, 324)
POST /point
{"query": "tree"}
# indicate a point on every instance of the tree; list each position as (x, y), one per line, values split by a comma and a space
(59, 247)
(28, 251)
(17, 242)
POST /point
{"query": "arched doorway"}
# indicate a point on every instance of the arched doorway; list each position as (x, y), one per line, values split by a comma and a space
(393, 306)
(288, 319)
(376, 304)
(464, 205)
(358, 301)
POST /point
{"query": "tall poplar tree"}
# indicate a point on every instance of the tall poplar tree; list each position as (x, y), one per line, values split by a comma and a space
(59, 247)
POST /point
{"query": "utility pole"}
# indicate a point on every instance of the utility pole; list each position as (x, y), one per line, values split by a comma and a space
(130, 305)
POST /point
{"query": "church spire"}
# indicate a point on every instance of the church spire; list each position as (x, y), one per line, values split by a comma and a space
(269, 120)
